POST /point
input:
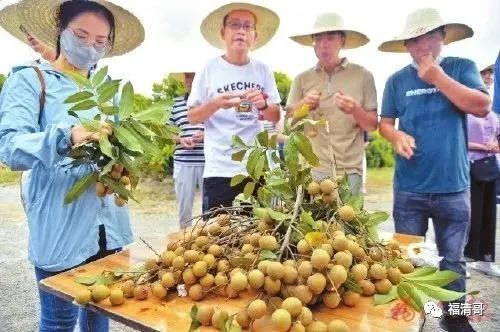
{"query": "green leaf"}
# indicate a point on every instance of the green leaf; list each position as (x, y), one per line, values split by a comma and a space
(353, 286)
(304, 146)
(126, 138)
(149, 146)
(237, 179)
(265, 196)
(249, 188)
(240, 262)
(273, 142)
(438, 293)
(253, 159)
(263, 138)
(277, 215)
(315, 239)
(108, 93)
(98, 77)
(80, 80)
(267, 255)
(109, 110)
(415, 295)
(373, 233)
(105, 279)
(79, 187)
(259, 168)
(79, 96)
(237, 142)
(89, 280)
(119, 272)
(73, 114)
(128, 163)
(356, 202)
(127, 101)
(402, 294)
(238, 156)
(438, 278)
(306, 218)
(107, 85)
(91, 125)
(106, 147)
(141, 128)
(377, 218)
(379, 299)
(421, 271)
(117, 187)
(157, 113)
(84, 105)
(194, 319)
(291, 158)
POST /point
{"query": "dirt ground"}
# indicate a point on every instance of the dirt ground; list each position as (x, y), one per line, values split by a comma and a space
(19, 305)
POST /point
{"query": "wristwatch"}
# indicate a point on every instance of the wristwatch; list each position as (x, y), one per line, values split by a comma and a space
(265, 106)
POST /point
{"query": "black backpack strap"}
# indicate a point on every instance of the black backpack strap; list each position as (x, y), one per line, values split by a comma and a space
(42, 91)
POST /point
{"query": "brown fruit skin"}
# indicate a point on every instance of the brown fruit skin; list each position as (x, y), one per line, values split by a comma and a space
(257, 309)
(120, 201)
(383, 286)
(195, 292)
(100, 292)
(281, 320)
(317, 326)
(327, 186)
(316, 283)
(331, 300)
(158, 290)
(141, 292)
(347, 213)
(293, 305)
(305, 316)
(368, 287)
(338, 326)
(394, 275)
(125, 180)
(128, 288)
(406, 267)
(313, 188)
(242, 319)
(205, 314)
(100, 189)
(218, 317)
(115, 175)
(83, 297)
(378, 271)
(303, 293)
(350, 298)
(116, 297)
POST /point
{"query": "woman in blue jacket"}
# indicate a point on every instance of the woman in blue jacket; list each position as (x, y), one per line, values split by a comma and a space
(36, 135)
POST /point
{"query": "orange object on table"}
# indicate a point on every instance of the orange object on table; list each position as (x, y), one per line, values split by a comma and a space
(173, 313)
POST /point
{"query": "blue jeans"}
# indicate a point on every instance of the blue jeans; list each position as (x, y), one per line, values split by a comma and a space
(450, 215)
(58, 314)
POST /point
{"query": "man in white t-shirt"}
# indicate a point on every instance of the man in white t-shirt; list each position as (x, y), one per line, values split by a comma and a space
(231, 93)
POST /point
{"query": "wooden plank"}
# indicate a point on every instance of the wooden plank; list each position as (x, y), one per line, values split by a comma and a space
(173, 313)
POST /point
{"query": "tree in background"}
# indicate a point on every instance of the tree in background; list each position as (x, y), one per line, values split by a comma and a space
(379, 152)
(283, 82)
(2, 80)
(141, 102)
(169, 88)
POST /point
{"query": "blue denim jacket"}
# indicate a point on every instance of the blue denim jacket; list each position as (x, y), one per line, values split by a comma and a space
(60, 236)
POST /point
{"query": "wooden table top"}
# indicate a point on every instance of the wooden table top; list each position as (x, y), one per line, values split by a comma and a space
(173, 314)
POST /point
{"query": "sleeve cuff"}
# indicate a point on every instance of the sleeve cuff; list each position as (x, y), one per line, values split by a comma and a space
(64, 143)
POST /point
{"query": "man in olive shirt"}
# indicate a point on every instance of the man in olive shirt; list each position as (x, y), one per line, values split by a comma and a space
(341, 92)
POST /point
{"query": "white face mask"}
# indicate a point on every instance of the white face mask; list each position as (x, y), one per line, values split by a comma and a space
(79, 54)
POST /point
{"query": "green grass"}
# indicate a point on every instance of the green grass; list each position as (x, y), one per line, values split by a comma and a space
(9, 177)
(380, 178)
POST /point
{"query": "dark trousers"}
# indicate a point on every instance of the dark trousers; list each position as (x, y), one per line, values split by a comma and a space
(218, 192)
(481, 243)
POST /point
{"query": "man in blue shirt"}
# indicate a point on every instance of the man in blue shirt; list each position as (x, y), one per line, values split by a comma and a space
(431, 98)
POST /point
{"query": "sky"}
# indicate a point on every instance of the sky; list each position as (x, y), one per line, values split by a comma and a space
(174, 43)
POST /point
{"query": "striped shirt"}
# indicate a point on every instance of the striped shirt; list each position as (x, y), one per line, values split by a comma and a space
(178, 117)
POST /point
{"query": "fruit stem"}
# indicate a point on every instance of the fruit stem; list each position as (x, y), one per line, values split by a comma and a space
(298, 202)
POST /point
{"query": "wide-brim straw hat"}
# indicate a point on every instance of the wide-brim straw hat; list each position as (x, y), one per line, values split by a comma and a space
(485, 68)
(422, 21)
(11, 23)
(327, 22)
(266, 26)
(39, 17)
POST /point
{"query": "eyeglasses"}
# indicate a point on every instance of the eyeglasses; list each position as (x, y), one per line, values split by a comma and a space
(237, 25)
(85, 38)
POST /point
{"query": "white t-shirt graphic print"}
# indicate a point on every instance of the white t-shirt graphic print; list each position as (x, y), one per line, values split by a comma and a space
(219, 76)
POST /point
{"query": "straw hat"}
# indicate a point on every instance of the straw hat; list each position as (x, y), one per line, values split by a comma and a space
(40, 18)
(11, 23)
(485, 68)
(332, 22)
(422, 21)
(267, 24)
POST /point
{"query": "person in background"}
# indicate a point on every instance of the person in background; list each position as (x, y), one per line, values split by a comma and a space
(229, 94)
(483, 142)
(189, 159)
(340, 91)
